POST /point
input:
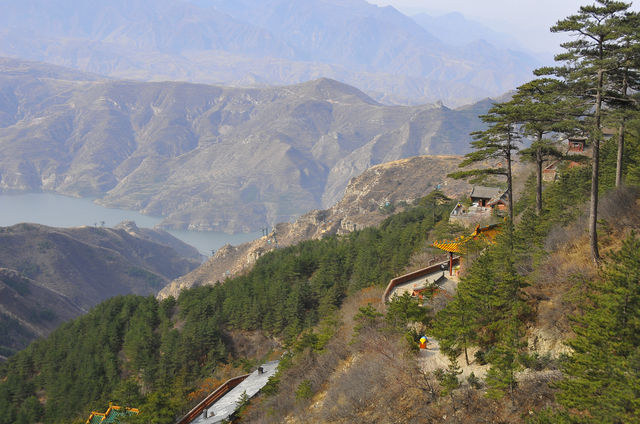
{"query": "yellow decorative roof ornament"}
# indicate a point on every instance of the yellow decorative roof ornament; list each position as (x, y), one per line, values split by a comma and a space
(456, 245)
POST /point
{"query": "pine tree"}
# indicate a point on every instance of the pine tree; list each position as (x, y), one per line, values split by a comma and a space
(544, 108)
(499, 141)
(603, 372)
(589, 62)
(626, 78)
(449, 381)
(504, 358)
(455, 326)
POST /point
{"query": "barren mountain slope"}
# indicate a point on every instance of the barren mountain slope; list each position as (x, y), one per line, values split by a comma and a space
(206, 157)
(50, 275)
(366, 202)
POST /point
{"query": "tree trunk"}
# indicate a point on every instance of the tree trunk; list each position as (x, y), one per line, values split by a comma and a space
(620, 154)
(466, 355)
(539, 162)
(593, 204)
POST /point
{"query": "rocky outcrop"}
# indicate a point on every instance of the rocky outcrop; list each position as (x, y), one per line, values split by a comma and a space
(368, 199)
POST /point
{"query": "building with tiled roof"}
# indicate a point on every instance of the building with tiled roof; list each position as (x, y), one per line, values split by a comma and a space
(482, 195)
(113, 415)
(484, 201)
(457, 245)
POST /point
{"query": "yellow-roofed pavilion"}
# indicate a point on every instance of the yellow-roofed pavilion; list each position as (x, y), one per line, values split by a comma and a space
(488, 233)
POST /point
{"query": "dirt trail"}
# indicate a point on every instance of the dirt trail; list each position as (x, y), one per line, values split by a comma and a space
(431, 359)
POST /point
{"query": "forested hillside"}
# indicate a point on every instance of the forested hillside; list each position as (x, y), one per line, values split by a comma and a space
(51, 275)
(544, 321)
(142, 352)
(542, 334)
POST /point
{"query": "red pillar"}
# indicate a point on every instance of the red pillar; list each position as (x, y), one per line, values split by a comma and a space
(450, 263)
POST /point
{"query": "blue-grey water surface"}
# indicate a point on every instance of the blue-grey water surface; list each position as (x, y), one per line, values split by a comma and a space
(61, 211)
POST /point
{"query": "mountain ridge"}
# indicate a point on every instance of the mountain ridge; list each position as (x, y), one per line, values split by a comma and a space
(282, 42)
(209, 157)
(50, 275)
(367, 201)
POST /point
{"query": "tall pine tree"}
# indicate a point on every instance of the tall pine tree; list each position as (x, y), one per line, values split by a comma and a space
(626, 80)
(589, 61)
(499, 141)
(544, 108)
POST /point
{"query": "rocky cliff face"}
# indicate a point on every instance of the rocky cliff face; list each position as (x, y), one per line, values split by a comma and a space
(206, 157)
(367, 201)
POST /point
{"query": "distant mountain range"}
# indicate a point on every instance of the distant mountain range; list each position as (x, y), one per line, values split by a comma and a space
(206, 157)
(51, 275)
(456, 30)
(390, 56)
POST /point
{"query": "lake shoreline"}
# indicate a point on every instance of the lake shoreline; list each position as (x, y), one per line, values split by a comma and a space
(58, 210)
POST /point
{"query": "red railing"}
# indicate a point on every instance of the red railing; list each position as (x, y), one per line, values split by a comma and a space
(222, 390)
(416, 274)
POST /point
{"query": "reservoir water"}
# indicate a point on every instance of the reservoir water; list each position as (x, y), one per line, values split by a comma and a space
(56, 210)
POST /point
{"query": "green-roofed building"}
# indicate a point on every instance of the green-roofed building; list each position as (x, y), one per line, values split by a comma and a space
(113, 415)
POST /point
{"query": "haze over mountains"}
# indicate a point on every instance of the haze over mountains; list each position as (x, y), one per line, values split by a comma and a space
(232, 159)
(249, 42)
(206, 157)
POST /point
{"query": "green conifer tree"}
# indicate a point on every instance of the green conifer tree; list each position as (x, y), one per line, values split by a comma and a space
(624, 80)
(603, 372)
(544, 108)
(499, 141)
(589, 62)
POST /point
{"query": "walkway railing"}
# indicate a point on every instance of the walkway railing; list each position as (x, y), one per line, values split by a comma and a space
(222, 390)
(416, 274)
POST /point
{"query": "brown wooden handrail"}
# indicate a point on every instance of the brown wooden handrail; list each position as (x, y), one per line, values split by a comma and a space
(415, 274)
(222, 390)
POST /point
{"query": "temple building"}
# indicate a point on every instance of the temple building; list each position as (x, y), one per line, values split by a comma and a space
(457, 246)
(576, 145)
(481, 196)
(113, 415)
(485, 202)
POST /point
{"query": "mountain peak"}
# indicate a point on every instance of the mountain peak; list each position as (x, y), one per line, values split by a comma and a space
(333, 90)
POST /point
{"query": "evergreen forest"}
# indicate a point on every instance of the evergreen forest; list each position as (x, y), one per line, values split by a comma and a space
(139, 351)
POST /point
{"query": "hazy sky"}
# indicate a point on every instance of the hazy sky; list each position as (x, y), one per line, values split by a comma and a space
(528, 20)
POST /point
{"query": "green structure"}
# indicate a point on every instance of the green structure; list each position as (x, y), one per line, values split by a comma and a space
(113, 415)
